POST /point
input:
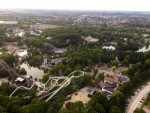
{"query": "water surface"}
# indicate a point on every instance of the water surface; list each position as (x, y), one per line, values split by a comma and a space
(33, 71)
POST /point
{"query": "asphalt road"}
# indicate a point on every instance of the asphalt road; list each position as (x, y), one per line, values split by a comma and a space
(135, 102)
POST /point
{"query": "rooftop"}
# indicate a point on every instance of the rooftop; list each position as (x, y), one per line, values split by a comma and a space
(19, 79)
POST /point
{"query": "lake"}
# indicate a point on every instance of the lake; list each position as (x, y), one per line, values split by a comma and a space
(33, 71)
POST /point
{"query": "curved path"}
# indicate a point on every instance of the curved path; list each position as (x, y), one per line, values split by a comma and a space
(135, 102)
(66, 82)
(23, 88)
(53, 83)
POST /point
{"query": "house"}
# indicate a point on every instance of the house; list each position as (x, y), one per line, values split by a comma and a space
(59, 50)
(109, 47)
(112, 80)
(35, 33)
(109, 90)
(23, 47)
(111, 83)
(122, 78)
(56, 61)
(49, 38)
(13, 30)
(90, 39)
(19, 79)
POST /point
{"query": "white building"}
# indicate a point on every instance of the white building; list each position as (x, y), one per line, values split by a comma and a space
(109, 47)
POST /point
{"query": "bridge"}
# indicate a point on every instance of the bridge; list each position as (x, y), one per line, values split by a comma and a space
(5, 66)
(11, 71)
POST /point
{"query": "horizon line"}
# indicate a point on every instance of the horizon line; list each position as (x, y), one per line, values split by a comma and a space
(95, 10)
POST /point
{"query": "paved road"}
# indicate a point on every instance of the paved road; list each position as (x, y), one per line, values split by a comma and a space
(137, 98)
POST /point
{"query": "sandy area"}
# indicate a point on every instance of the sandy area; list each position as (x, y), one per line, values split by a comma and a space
(146, 109)
(81, 95)
(11, 48)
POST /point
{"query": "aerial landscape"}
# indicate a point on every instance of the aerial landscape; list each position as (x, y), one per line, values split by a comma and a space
(74, 60)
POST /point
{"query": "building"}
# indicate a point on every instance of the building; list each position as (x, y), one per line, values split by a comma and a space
(109, 47)
(49, 38)
(45, 59)
(90, 39)
(56, 61)
(14, 31)
(19, 79)
(111, 83)
(59, 50)
(45, 63)
(112, 80)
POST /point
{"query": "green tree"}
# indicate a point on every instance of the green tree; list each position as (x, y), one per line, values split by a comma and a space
(3, 73)
(99, 108)
(101, 76)
(114, 68)
(36, 106)
(115, 109)
(2, 110)
(45, 78)
(87, 78)
(93, 82)
(139, 111)
(118, 99)
(10, 59)
(23, 71)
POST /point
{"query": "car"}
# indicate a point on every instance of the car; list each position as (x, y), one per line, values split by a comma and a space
(126, 105)
(128, 101)
(76, 93)
(133, 94)
(143, 98)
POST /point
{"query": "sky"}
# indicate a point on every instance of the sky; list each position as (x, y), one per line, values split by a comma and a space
(127, 5)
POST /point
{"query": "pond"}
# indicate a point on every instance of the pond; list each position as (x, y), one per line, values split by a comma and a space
(32, 71)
